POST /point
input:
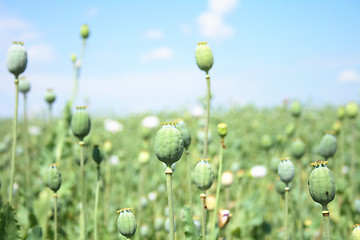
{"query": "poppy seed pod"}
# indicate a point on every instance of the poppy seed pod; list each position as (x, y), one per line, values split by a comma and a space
(351, 110)
(286, 170)
(328, 146)
(222, 129)
(297, 149)
(84, 31)
(16, 59)
(126, 223)
(80, 123)
(97, 154)
(321, 184)
(295, 109)
(183, 128)
(204, 57)
(169, 144)
(204, 175)
(24, 85)
(341, 113)
(50, 96)
(54, 178)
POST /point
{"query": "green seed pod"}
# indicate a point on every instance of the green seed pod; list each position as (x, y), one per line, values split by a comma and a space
(204, 175)
(280, 186)
(266, 142)
(73, 57)
(169, 144)
(204, 57)
(222, 129)
(50, 96)
(274, 164)
(295, 109)
(16, 59)
(297, 149)
(321, 184)
(183, 128)
(286, 170)
(351, 110)
(356, 232)
(159, 223)
(328, 145)
(84, 31)
(145, 231)
(357, 206)
(144, 157)
(80, 123)
(126, 223)
(97, 154)
(341, 113)
(336, 127)
(290, 129)
(24, 85)
(54, 178)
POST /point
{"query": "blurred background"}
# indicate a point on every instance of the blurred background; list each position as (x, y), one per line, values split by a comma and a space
(140, 54)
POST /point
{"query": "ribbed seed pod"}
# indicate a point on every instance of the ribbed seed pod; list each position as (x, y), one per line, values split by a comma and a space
(321, 184)
(84, 31)
(351, 110)
(80, 123)
(16, 59)
(295, 109)
(126, 223)
(54, 178)
(183, 128)
(204, 57)
(222, 129)
(169, 144)
(24, 85)
(328, 146)
(204, 175)
(356, 232)
(50, 96)
(286, 170)
(297, 148)
(97, 154)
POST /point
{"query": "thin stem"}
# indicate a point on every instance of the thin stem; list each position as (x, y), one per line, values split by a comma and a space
(300, 193)
(14, 140)
(203, 217)
(96, 203)
(218, 187)
(207, 117)
(286, 210)
(353, 156)
(82, 176)
(55, 216)
(27, 158)
(326, 218)
(75, 84)
(188, 176)
(168, 173)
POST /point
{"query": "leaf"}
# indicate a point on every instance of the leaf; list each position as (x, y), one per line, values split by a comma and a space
(34, 233)
(9, 228)
(190, 230)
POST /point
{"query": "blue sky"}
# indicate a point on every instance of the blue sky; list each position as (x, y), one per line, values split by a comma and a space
(140, 54)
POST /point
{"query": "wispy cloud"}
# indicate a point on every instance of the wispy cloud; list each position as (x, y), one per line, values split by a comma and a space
(349, 75)
(158, 53)
(154, 34)
(211, 23)
(41, 53)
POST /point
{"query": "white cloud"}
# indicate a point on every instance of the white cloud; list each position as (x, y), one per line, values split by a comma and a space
(211, 23)
(40, 53)
(92, 12)
(349, 76)
(154, 34)
(158, 53)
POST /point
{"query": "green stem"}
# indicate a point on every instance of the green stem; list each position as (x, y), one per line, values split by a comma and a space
(188, 176)
(82, 179)
(300, 194)
(75, 84)
(55, 216)
(326, 218)
(14, 140)
(286, 210)
(168, 173)
(27, 158)
(353, 156)
(207, 117)
(203, 217)
(96, 203)
(218, 187)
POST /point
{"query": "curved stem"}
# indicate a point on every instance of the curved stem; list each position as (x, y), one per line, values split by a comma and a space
(96, 203)
(168, 173)
(55, 216)
(218, 187)
(207, 117)
(82, 179)
(286, 210)
(203, 217)
(14, 140)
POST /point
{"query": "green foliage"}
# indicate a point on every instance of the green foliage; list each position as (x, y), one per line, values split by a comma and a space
(9, 228)
(34, 233)
(190, 230)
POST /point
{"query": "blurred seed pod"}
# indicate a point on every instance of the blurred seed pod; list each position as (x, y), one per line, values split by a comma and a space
(266, 142)
(24, 85)
(351, 110)
(204, 175)
(222, 129)
(80, 123)
(145, 231)
(183, 128)
(54, 178)
(227, 178)
(84, 31)
(341, 112)
(297, 149)
(126, 223)
(280, 187)
(210, 202)
(204, 57)
(158, 223)
(16, 59)
(97, 154)
(357, 206)
(49, 96)
(144, 157)
(290, 129)
(286, 170)
(328, 146)
(295, 109)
